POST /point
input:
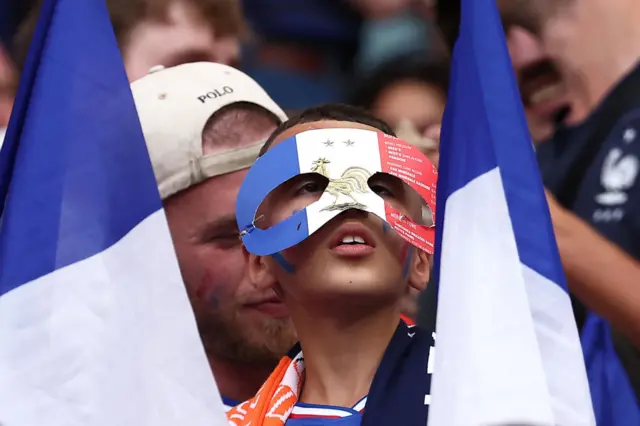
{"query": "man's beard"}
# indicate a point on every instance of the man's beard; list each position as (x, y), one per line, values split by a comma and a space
(227, 335)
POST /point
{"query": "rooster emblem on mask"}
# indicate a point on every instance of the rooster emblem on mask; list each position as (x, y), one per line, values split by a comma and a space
(353, 180)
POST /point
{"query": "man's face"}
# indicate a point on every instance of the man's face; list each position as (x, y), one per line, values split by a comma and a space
(237, 321)
(541, 84)
(554, 44)
(184, 37)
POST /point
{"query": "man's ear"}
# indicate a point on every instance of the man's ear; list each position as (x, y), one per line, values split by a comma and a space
(259, 272)
(420, 270)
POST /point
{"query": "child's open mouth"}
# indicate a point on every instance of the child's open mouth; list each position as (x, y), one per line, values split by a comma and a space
(353, 239)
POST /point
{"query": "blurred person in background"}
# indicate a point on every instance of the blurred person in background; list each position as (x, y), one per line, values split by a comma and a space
(410, 94)
(305, 51)
(204, 125)
(166, 32)
(402, 28)
(543, 89)
(590, 165)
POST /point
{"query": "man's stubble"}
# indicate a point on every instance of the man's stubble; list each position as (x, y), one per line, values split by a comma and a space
(229, 336)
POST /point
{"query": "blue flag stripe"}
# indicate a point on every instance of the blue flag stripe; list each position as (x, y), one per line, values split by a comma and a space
(512, 150)
(76, 145)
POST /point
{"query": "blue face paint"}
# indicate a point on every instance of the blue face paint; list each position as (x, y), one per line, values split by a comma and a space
(284, 263)
(385, 226)
(407, 263)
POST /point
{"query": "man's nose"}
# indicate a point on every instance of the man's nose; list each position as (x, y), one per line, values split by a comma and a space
(524, 47)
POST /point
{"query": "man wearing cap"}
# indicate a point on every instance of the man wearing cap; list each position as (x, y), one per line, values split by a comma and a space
(204, 124)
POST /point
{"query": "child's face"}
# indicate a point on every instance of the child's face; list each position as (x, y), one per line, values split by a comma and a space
(324, 265)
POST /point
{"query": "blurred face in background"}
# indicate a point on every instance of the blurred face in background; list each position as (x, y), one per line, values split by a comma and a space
(567, 54)
(420, 103)
(542, 88)
(184, 36)
(414, 110)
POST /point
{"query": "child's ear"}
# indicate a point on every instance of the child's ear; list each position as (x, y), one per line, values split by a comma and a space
(420, 271)
(259, 272)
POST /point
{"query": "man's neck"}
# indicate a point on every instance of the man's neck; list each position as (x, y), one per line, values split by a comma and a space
(342, 354)
(237, 381)
(589, 86)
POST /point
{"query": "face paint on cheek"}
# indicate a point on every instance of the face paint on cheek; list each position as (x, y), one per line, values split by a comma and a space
(213, 301)
(385, 227)
(203, 289)
(284, 263)
(408, 257)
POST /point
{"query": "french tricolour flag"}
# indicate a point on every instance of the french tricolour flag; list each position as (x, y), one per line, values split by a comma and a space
(95, 325)
(508, 350)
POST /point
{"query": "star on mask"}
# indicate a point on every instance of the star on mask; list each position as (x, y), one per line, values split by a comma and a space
(349, 142)
(328, 143)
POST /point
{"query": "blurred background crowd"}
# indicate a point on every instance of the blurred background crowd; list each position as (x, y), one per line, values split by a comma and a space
(392, 57)
(387, 55)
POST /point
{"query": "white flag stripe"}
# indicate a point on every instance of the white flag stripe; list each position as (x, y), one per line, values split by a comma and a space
(560, 349)
(123, 319)
(488, 370)
(511, 327)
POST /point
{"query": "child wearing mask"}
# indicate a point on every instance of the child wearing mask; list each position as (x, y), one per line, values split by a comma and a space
(357, 362)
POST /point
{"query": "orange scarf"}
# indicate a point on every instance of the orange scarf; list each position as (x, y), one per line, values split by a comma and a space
(275, 400)
(407, 320)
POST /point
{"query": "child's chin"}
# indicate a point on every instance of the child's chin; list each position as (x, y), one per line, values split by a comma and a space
(357, 287)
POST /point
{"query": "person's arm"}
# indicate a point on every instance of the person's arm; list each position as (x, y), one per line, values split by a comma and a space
(599, 273)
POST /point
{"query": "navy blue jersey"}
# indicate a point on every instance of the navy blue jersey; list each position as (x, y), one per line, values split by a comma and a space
(321, 415)
(399, 394)
(593, 170)
(608, 195)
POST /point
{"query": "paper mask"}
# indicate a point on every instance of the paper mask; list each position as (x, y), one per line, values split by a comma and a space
(347, 158)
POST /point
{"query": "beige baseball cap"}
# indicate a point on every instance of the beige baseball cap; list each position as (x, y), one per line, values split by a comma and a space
(174, 104)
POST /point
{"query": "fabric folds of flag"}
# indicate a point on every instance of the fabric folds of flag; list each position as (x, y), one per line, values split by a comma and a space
(95, 324)
(508, 350)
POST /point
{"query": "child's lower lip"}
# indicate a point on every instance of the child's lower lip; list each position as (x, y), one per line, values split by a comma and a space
(353, 250)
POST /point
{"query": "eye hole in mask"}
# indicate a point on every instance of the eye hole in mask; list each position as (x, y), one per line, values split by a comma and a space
(305, 181)
(344, 193)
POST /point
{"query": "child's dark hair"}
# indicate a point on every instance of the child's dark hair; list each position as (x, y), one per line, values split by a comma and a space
(337, 112)
(431, 72)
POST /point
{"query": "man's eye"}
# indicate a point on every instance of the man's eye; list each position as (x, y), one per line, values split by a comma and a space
(225, 237)
(226, 240)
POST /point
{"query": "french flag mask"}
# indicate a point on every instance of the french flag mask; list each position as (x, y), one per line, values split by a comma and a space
(350, 164)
